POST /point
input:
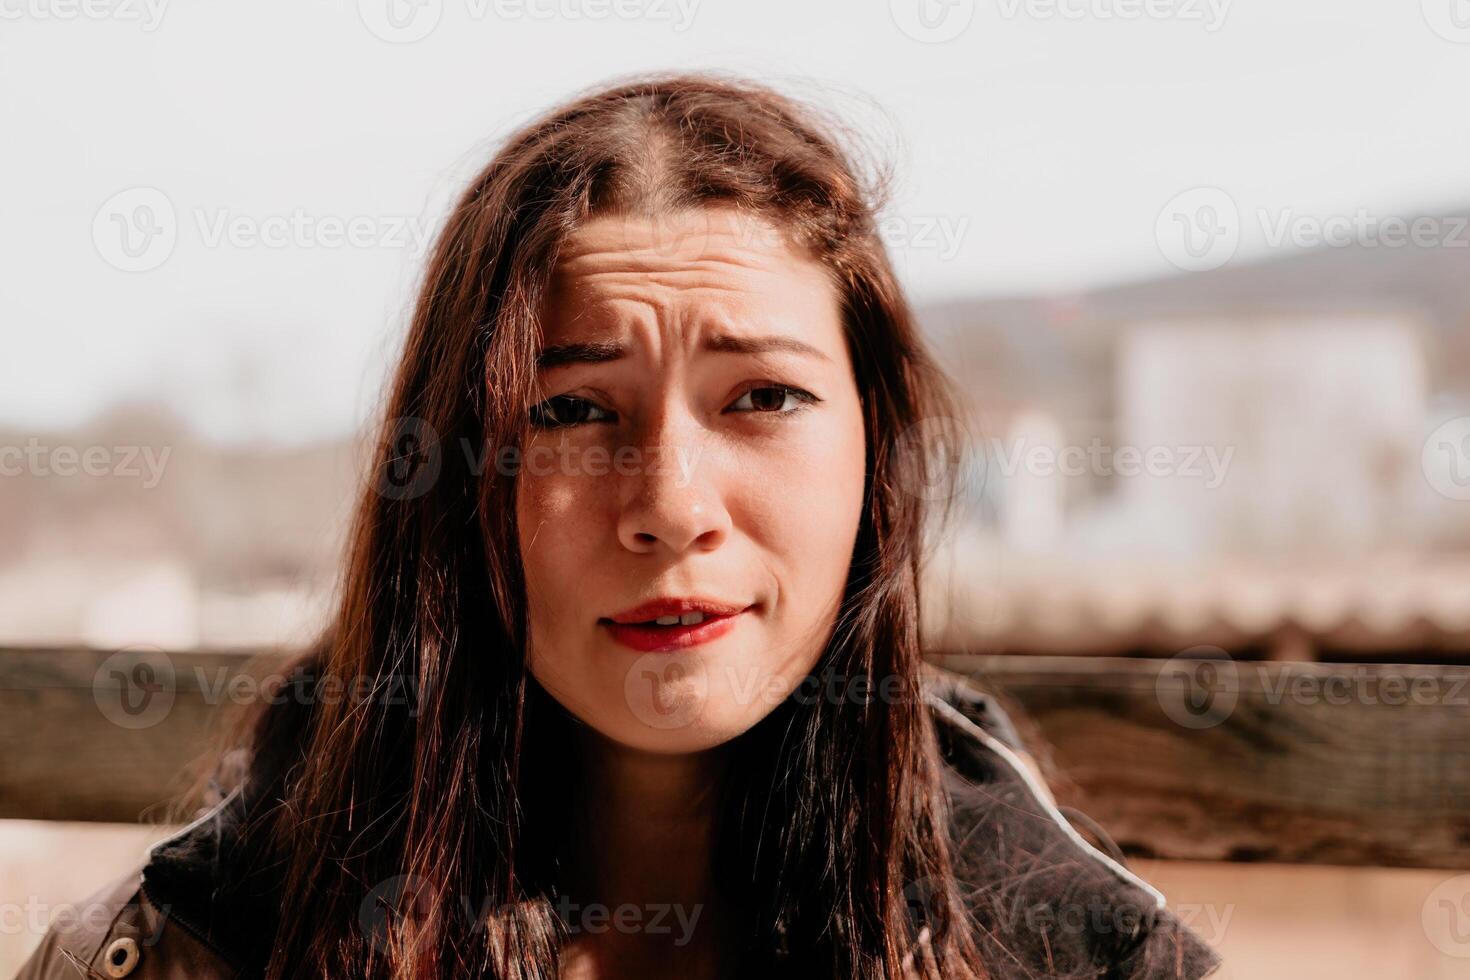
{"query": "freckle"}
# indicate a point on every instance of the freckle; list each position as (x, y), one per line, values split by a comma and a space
(551, 497)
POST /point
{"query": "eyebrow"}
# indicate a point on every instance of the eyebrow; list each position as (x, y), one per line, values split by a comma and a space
(601, 351)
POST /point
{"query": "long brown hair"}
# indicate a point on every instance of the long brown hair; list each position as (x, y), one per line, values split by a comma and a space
(837, 813)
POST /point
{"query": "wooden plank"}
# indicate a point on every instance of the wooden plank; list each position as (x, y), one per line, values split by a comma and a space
(107, 735)
(1254, 761)
(1292, 762)
(1417, 641)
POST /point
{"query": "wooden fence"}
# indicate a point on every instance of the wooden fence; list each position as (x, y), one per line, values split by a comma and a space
(1205, 760)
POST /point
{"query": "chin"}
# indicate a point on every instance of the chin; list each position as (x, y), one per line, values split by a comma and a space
(669, 703)
(680, 710)
(699, 737)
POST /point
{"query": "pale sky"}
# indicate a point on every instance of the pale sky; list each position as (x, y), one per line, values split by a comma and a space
(1036, 148)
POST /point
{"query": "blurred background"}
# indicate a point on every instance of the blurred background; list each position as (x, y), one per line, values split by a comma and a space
(1202, 268)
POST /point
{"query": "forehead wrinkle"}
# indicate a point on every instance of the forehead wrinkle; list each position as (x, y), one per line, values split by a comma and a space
(620, 306)
(622, 319)
(618, 294)
(685, 278)
(728, 283)
(740, 249)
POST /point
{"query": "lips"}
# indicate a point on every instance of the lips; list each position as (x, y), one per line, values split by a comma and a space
(637, 628)
(677, 606)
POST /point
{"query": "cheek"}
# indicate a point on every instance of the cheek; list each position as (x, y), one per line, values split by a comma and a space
(820, 483)
(552, 525)
(806, 506)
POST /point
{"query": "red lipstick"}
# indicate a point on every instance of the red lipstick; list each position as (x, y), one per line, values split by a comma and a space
(636, 628)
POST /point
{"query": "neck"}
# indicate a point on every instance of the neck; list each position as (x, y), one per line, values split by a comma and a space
(645, 824)
(640, 876)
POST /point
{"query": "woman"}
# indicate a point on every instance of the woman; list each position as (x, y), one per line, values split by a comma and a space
(625, 678)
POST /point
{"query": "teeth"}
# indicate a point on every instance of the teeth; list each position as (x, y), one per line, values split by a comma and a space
(688, 619)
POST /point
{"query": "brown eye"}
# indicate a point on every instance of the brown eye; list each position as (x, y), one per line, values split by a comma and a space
(563, 411)
(773, 400)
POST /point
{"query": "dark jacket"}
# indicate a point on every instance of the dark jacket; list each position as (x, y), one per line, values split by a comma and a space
(1049, 903)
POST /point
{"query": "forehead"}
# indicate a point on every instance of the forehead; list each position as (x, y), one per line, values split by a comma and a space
(693, 269)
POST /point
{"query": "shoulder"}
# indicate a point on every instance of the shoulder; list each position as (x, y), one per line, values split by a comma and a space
(1047, 901)
(119, 932)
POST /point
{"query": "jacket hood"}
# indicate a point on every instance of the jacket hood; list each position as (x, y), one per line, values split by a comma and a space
(1048, 903)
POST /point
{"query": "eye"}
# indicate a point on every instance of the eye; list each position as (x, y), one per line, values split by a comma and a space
(773, 400)
(566, 410)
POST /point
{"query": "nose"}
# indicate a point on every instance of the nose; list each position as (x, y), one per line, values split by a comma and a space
(673, 496)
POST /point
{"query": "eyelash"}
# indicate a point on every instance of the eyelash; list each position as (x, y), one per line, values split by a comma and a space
(804, 398)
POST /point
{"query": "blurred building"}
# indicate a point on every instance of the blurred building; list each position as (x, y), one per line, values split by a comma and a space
(1237, 457)
(1250, 457)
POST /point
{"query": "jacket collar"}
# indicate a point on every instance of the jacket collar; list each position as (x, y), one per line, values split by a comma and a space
(1003, 819)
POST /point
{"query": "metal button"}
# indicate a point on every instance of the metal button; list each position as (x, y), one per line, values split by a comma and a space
(122, 957)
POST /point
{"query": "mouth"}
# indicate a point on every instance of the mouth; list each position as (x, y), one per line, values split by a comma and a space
(673, 624)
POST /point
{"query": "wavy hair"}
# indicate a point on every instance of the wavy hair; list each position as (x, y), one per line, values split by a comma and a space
(835, 814)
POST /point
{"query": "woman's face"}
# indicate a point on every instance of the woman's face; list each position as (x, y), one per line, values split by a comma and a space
(702, 439)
